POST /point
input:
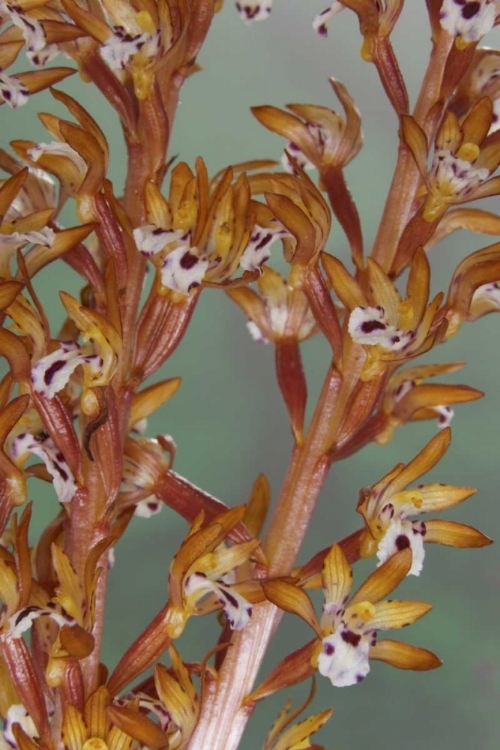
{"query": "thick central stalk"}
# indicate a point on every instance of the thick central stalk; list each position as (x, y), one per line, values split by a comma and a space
(223, 716)
(406, 180)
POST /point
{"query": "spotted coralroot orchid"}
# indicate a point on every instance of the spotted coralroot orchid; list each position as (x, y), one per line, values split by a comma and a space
(81, 395)
(387, 506)
(390, 329)
(207, 231)
(190, 581)
(346, 633)
(464, 159)
(408, 397)
(278, 312)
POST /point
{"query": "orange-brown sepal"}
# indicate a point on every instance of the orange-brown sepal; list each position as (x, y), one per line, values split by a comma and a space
(404, 656)
(294, 668)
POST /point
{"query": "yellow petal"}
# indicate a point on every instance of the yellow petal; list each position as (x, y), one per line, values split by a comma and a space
(290, 598)
(423, 462)
(150, 399)
(297, 737)
(258, 505)
(398, 614)
(436, 497)
(455, 534)
(404, 656)
(336, 577)
(384, 579)
(416, 140)
(74, 730)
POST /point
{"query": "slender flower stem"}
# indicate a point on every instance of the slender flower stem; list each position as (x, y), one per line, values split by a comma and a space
(223, 716)
(399, 204)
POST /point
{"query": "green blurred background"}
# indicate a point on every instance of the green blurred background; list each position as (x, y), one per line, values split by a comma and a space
(229, 423)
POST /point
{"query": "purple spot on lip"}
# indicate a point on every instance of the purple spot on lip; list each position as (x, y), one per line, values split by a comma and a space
(188, 260)
(402, 542)
(470, 10)
(372, 325)
(52, 371)
(351, 638)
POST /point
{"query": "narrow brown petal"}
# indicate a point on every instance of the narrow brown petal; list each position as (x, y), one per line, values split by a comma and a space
(404, 656)
(11, 414)
(294, 668)
(8, 53)
(310, 573)
(449, 136)
(476, 125)
(258, 505)
(150, 399)
(24, 676)
(86, 121)
(433, 394)
(188, 500)
(474, 219)
(290, 598)
(92, 153)
(297, 223)
(416, 140)
(336, 576)
(194, 547)
(384, 579)
(40, 256)
(10, 189)
(455, 534)
(144, 651)
(87, 21)
(41, 79)
(8, 693)
(289, 126)
(22, 556)
(423, 462)
(57, 32)
(346, 288)
(8, 292)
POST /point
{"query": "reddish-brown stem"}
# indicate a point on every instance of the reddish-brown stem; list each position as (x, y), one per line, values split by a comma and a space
(223, 717)
(400, 200)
